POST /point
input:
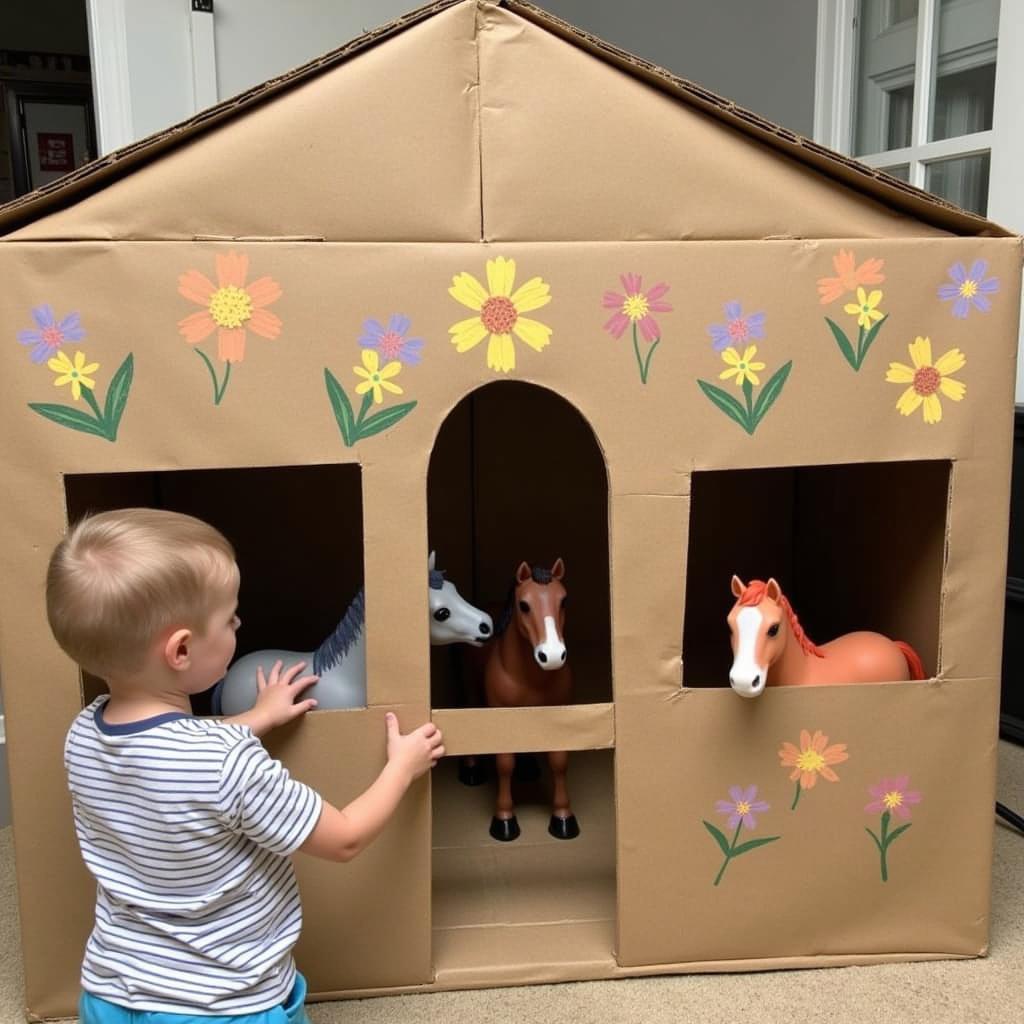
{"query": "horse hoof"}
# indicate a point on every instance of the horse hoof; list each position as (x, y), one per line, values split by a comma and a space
(564, 828)
(472, 774)
(504, 829)
(527, 768)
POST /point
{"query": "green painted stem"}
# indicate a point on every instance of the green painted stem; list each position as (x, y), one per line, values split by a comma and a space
(796, 798)
(732, 846)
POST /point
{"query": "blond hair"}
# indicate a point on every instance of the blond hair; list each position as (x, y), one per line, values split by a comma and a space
(118, 579)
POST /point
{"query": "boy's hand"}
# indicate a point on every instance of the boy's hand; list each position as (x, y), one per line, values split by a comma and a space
(275, 699)
(415, 752)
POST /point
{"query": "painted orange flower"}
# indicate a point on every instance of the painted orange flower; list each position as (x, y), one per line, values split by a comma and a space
(230, 307)
(849, 276)
(812, 759)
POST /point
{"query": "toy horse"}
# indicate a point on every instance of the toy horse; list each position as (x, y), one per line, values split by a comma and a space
(526, 667)
(770, 648)
(340, 661)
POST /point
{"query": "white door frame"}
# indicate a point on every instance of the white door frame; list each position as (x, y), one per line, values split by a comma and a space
(112, 89)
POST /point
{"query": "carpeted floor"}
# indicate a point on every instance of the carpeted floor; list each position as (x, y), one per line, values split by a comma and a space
(987, 991)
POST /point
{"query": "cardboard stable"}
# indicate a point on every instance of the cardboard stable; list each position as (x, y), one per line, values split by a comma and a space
(362, 185)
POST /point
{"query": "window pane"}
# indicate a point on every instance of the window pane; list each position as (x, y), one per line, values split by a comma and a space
(901, 10)
(887, 48)
(965, 68)
(963, 181)
(901, 171)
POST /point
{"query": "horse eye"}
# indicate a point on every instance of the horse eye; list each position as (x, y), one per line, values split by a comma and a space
(773, 630)
(524, 607)
(442, 614)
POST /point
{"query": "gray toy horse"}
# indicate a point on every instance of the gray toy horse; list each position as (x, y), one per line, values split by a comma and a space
(340, 661)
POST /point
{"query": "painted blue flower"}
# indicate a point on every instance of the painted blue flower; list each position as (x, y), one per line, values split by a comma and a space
(49, 335)
(737, 329)
(969, 289)
(391, 341)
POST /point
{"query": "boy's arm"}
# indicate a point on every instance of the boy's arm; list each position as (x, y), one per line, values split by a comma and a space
(341, 834)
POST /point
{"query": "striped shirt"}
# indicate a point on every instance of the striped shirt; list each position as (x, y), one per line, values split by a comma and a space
(186, 824)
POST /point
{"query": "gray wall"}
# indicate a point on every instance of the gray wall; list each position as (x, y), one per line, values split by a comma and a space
(758, 53)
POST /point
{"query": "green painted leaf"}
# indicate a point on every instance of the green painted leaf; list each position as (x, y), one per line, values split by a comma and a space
(843, 342)
(729, 405)
(752, 844)
(770, 392)
(873, 836)
(342, 408)
(718, 837)
(74, 419)
(117, 395)
(897, 832)
(382, 420)
(869, 338)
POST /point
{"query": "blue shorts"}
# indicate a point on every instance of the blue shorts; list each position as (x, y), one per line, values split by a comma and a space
(93, 1010)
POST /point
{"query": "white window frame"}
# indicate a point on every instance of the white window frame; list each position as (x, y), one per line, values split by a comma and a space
(836, 85)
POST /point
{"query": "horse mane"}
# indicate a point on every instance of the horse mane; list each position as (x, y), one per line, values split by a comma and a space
(755, 594)
(338, 644)
(538, 575)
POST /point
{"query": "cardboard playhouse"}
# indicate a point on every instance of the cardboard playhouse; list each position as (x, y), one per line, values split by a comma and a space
(634, 327)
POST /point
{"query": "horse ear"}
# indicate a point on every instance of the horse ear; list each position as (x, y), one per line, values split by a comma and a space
(523, 573)
(432, 561)
(558, 569)
(738, 586)
(773, 591)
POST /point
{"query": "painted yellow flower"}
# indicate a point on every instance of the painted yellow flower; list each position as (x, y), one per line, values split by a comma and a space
(74, 373)
(927, 379)
(741, 367)
(864, 308)
(375, 377)
(499, 313)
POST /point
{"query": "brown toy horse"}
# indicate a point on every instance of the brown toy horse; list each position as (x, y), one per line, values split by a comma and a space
(526, 667)
(770, 648)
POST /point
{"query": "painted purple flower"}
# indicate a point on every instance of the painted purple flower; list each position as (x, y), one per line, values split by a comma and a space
(391, 341)
(742, 806)
(737, 329)
(49, 334)
(969, 289)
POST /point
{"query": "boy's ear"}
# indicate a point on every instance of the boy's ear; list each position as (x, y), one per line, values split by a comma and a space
(177, 649)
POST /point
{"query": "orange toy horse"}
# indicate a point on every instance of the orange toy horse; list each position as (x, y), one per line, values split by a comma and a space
(770, 648)
(526, 667)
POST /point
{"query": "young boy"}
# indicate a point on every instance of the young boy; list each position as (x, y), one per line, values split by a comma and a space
(187, 823)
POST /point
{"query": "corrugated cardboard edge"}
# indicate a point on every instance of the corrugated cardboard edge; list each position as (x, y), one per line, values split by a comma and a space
(895, 193)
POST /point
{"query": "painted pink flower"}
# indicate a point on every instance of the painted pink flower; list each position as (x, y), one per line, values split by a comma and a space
(635, 306)
(893, 795)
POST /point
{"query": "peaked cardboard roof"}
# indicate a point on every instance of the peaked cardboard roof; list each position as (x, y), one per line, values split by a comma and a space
(479, 119)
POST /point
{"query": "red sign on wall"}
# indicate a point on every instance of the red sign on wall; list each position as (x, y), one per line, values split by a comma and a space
(56, 151)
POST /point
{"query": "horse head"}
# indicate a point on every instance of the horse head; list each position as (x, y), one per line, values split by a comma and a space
(453, 620)
(759, 624)
(539, 612)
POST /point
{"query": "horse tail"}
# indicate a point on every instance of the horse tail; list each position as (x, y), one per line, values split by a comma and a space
(914, 662)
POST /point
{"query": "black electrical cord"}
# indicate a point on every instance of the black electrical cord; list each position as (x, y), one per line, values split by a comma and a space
(1012, 817)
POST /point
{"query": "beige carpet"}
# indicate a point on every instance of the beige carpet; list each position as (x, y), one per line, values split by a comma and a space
(988, 991)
